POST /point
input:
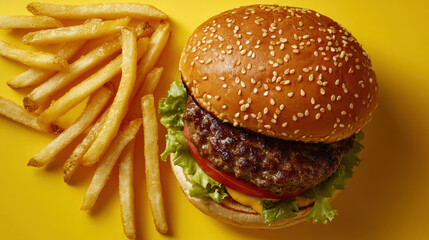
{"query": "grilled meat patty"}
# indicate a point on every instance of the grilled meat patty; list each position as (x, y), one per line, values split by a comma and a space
(271, 164)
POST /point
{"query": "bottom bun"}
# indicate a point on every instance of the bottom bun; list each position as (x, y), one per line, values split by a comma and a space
(232, 212)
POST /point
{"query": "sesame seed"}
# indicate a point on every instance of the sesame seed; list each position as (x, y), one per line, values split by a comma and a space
(284, 124)
(302, 93)
(294, 118)
(290, 94)
(265, 110)
(317, 116)
(272, 102)
(311, 77)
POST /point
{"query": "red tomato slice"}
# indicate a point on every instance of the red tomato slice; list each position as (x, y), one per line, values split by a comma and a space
(228, 180)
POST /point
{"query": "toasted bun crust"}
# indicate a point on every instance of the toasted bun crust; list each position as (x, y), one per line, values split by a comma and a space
(231, 212)
(289, 73)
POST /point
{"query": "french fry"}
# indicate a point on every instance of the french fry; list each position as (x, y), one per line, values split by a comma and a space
(120, 103)
(32, 58)
(13, 22)
(74, 160)
(73, 33)
(151, 153)
(62, 79)
(157, 43)
(35, 76)
(148, 87)
(92, 110)
(17, 113)
(103, 10)
(106, 165)
(79, 92)
(126, 191)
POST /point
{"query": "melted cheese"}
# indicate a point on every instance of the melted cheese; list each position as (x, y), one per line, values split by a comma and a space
(246, 200)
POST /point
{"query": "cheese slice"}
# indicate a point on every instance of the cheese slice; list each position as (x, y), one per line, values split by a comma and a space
(246, 200)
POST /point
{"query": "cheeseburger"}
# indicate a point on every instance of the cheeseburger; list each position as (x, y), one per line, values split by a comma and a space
(266, 123)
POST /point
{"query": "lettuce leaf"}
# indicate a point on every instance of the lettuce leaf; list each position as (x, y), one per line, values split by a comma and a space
(273, 211)
(171, 110)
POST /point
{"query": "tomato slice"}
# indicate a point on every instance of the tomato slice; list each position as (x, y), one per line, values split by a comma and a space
(228, 180)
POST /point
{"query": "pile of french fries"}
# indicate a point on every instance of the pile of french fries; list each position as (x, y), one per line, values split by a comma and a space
(124, 40)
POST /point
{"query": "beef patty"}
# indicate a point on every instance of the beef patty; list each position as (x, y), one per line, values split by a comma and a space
(271, 164)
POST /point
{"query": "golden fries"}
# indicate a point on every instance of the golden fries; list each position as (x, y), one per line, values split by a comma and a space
(32, 58)
(103, 10)
(156, 45)
(17, 113)
(58, 87)
(154, 191)
(94, 107)
(73, 33)
(10, 22)
(126, 191)
(74, 160)
(79, 92)
(62, 79)
(120, 103)
(106, 165)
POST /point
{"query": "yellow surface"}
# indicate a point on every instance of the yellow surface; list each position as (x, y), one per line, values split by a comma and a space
(386, 199)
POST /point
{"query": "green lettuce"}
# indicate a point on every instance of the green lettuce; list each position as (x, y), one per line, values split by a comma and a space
(172, 109)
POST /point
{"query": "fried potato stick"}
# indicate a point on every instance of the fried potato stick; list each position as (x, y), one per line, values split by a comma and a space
(14, 22)
(77, 32)
(35, 76)
(120, 104)
(126, 191)
(32, 58)
(17, 113)
(101, 10)
(92, 110)
(151, 153)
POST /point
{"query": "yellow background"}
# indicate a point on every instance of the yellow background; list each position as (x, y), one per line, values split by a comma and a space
(388, 198)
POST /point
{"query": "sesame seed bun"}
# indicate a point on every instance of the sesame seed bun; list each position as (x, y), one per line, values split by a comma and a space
(289, 73)
(231, 212)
